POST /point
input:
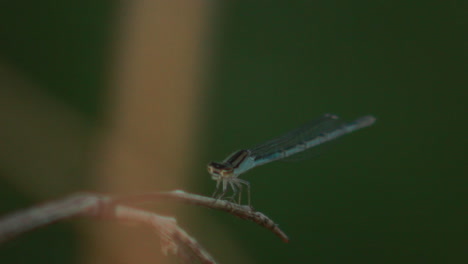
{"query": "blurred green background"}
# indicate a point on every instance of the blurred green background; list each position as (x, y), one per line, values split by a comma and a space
(395, 192)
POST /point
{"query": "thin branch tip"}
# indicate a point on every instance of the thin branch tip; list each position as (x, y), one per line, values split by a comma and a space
(241, 211)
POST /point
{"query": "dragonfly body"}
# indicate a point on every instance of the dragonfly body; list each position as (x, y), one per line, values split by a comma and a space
(318, 131)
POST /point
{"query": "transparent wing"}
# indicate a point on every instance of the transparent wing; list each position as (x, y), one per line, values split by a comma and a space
(293, 140)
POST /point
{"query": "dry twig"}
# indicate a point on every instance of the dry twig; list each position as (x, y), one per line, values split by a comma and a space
(173, 237)
(242, 211)
(84, 204)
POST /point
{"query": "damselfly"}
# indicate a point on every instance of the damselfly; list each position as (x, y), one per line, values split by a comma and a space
(314, 133)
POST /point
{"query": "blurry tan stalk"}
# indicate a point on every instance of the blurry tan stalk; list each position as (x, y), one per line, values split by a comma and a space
(154, 105)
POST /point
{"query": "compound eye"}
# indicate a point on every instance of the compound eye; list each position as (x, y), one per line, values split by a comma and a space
(217, 165)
